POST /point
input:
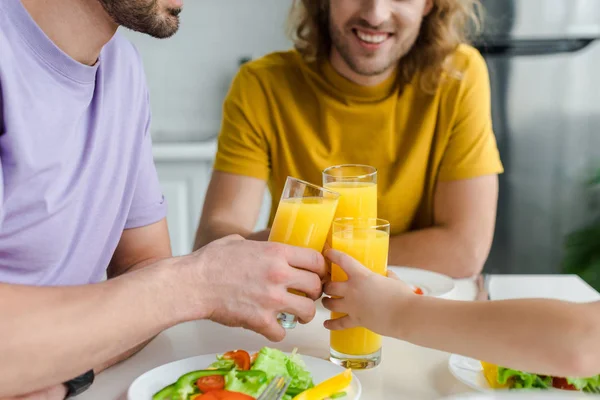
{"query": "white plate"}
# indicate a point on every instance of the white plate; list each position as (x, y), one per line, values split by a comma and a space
(144, 387)
(432, 283)
(470, 372)
(535, 395)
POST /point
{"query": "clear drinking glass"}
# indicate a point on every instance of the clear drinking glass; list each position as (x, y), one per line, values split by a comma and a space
(357, 185)
(367, 240)
(303, 218)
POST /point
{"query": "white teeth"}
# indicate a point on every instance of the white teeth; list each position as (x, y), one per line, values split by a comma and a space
(376, 39)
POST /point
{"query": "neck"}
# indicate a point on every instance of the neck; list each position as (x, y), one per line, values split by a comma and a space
(339, 64)
(80, 28)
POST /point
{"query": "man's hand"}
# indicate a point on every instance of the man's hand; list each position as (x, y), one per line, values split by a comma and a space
(242, 283)
(363, 292)
(57, 392)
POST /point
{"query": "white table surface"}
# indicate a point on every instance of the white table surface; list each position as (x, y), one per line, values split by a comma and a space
(406, 372)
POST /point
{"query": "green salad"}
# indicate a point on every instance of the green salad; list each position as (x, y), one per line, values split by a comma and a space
(499, 377)
(524, 380)
(236, 375)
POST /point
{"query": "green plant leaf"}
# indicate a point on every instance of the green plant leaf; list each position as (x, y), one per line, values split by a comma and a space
(595, 180)
(582, 248)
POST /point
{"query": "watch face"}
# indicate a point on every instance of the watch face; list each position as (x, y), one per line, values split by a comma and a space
(80, 384)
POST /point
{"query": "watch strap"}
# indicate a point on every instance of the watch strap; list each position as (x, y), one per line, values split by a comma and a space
(80, 384)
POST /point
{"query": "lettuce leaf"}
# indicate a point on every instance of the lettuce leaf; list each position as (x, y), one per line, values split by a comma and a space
(301, 377)
(272, 362)
(586, 384)
(222, 364)
(248, 385)
(523, 380)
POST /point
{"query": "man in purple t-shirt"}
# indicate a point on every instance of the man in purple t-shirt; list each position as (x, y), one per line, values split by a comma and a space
(80, 202)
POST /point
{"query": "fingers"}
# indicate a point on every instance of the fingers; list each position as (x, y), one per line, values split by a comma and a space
(272, 331)
(302, 307)
(338, 289)
(350, 266)
(306, 259)
(392, 274)
(335, 305)
(306, 282)
(340, 324)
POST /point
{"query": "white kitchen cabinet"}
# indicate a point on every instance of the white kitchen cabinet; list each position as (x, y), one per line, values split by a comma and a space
(184, 186)
(184, 172)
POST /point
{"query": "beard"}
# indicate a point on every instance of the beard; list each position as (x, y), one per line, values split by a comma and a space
(145, 16)
(373, 64)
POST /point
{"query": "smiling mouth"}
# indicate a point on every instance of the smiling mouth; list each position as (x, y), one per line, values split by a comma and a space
(371, 38)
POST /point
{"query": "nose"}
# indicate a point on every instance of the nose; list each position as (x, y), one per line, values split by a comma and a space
(376, 12)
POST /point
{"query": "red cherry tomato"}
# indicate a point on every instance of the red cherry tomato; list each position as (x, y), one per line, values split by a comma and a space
(240, 357)
(224, 395)
(562, 383)
(210, 383)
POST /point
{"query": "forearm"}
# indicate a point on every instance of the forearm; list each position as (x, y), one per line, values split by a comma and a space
(439, 250)
(540, 336)
(69, 330)
(131, 352)
(212, 231)
(209, 231)
(121, 357)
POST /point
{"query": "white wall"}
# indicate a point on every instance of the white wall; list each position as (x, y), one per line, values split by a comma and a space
(189, 74)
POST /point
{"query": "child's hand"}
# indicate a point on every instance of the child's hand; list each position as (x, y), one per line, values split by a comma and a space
(369, 300)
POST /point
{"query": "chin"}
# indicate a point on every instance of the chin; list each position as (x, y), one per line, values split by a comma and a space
(165, 26)
(371, 69)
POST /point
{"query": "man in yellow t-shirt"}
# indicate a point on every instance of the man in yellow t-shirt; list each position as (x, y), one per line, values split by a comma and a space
(390, 84)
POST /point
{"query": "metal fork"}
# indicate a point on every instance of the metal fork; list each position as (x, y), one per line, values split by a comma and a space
(276, 389)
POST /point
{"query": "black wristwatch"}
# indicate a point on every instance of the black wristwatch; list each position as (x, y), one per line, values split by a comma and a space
(80, 384)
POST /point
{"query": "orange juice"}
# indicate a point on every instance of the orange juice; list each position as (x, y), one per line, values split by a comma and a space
(357, 200)
(303, 219)
(303, 222)
(370, 248)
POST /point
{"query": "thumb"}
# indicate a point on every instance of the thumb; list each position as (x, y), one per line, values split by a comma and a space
(392, 274)
(348, 264)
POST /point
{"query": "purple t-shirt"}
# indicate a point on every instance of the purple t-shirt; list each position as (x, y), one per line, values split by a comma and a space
(76, 165)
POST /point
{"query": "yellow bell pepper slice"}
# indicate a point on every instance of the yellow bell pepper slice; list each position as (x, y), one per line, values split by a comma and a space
(327, 388)
(490, 371)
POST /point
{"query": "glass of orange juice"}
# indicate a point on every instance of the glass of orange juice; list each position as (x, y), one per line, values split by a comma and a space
(357, 185)
(303, 218)
(366, 240)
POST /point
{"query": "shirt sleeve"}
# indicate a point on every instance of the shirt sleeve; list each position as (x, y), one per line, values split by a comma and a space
(472, 150)
(1, 193)
(149, 205)
(2, 129)
(243, 147)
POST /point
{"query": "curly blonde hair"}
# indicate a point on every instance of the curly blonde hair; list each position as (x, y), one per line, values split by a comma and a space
(449, 24)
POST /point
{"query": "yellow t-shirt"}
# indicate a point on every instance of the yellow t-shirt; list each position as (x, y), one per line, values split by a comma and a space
(286, 117)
